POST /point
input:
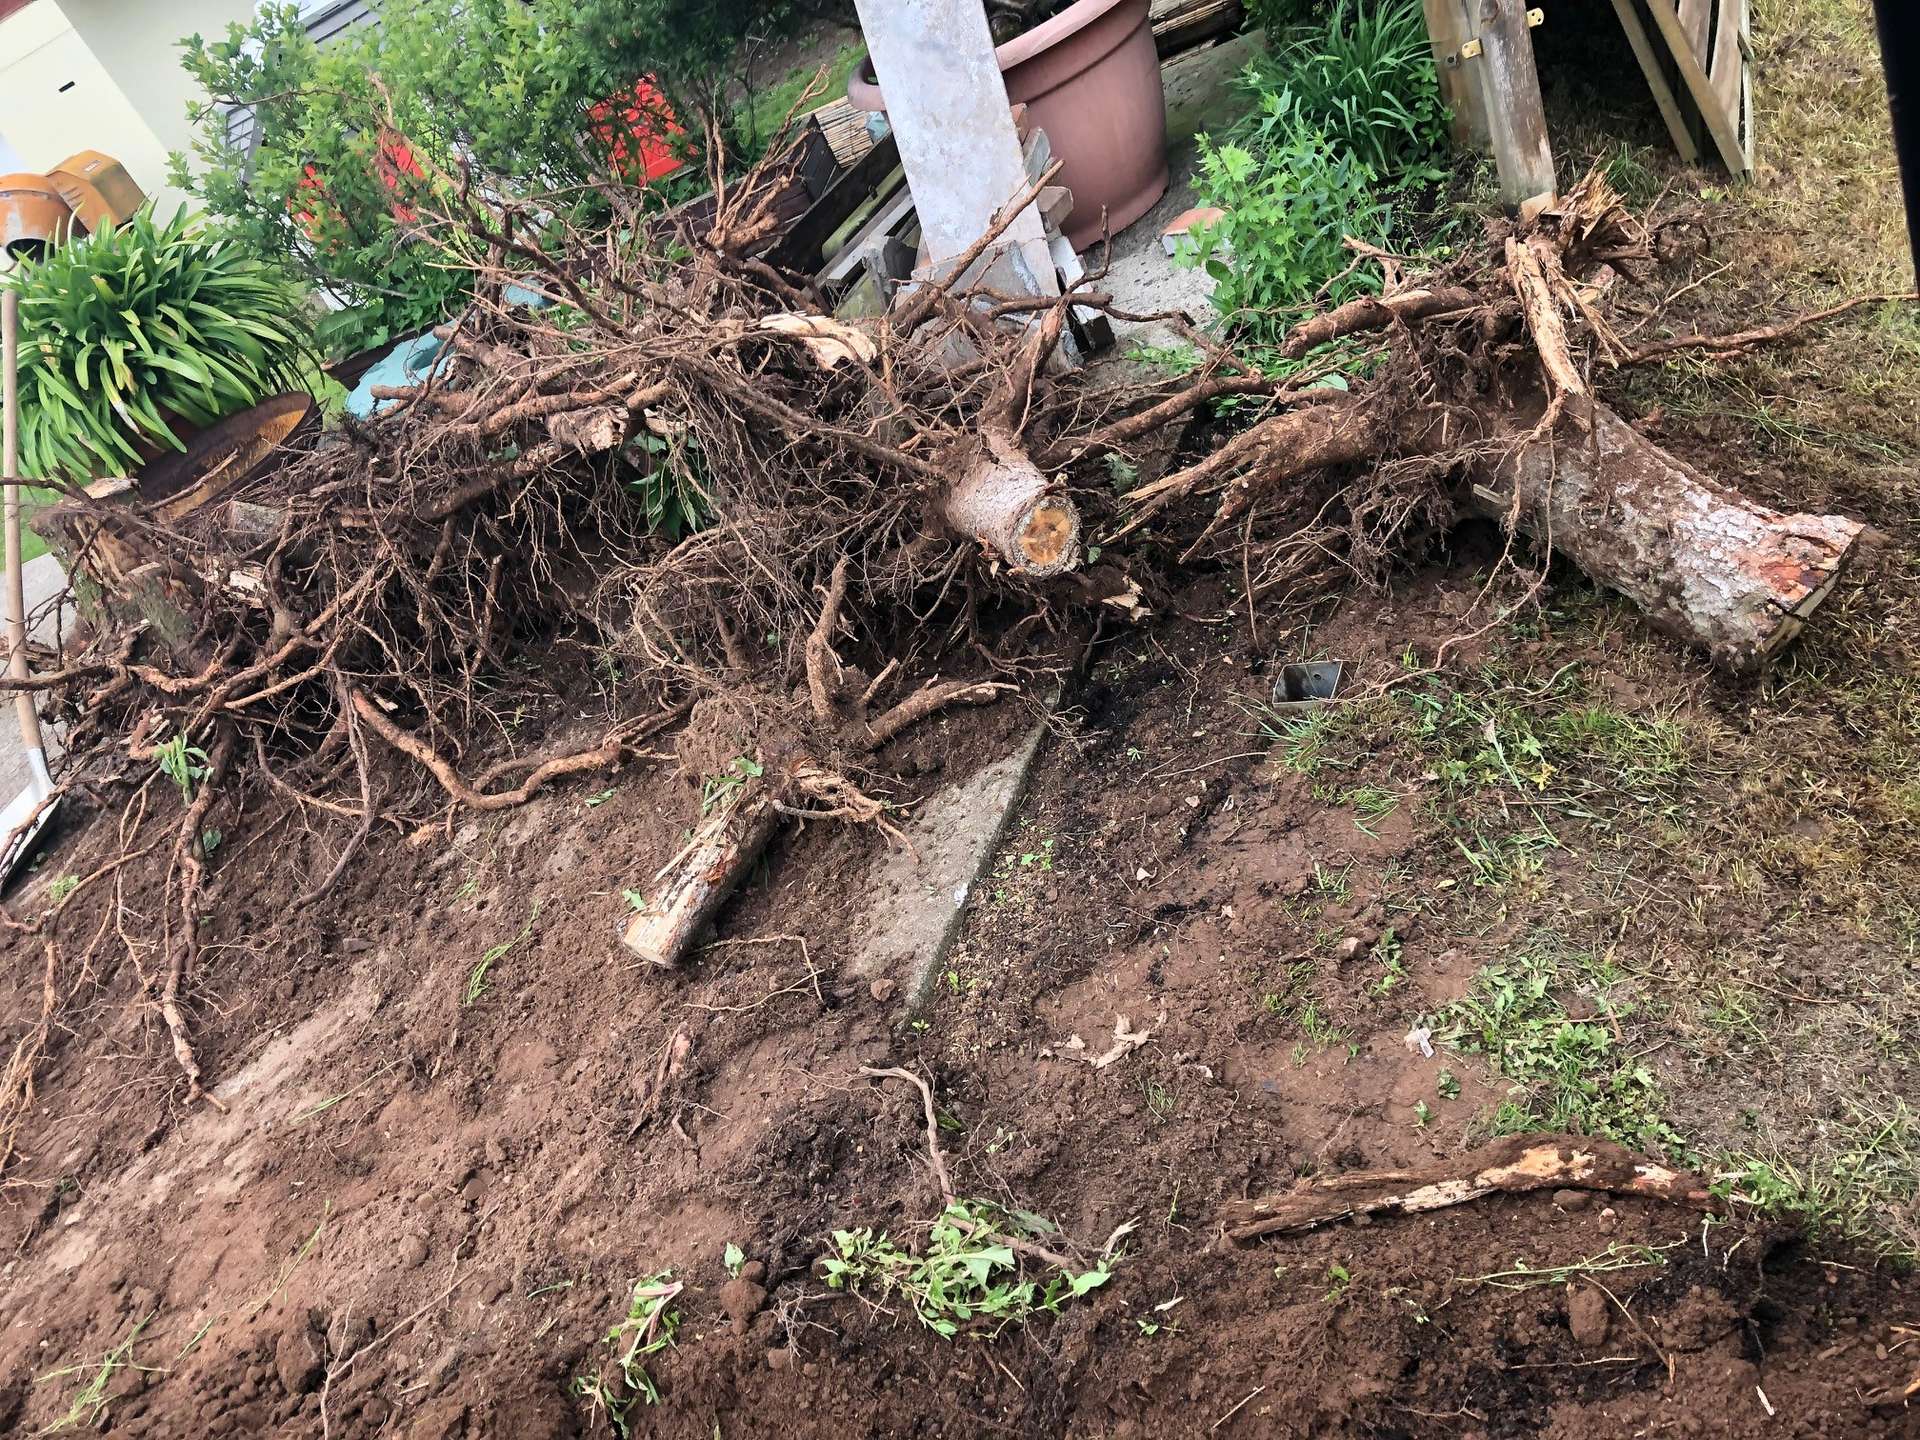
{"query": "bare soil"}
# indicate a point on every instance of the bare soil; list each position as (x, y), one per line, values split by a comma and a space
(462, 1193)
(453, 1138)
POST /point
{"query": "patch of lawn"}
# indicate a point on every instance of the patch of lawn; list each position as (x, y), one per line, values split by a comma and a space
(760, 114)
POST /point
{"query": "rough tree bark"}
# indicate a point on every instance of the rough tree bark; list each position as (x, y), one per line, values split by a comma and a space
(1706, 564)
(1006, 502)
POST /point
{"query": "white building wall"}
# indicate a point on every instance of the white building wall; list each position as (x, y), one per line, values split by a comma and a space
(57, 97)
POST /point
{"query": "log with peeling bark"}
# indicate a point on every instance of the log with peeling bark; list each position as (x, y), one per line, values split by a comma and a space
(690, 887)
(1703, 562)
(1732, 577)
(1007, 503)
(1513, 1165)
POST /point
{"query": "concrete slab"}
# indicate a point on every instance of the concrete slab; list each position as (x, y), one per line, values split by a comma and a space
(42, 579)
(1201, 99)
(915, 906)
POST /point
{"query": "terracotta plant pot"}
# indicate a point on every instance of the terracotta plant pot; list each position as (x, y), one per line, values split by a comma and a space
(1090, 78)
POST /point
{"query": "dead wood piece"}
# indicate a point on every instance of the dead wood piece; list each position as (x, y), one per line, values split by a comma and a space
(1513, 1165)
(1005, 502)
(1532, 268)
(1721, 572)
(694, 884)
(592, 431)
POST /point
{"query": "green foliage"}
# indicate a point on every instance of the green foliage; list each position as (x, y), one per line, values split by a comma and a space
(1364, 79)
(666, 481)
(359, 146)
(61, 888)
(720, 788)
(967, 1275)
(133, 328)
(1345, 113)
(1289, 209)
(185, 765)
(648, 1328)
(1568, 1074)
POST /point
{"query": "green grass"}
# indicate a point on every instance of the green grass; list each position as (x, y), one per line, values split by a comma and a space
(89, 1404)
(1568, 1071)
(1862, 1187)
(760, 114)
(477, 978)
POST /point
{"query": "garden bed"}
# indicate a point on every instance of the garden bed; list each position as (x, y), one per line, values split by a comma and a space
(1622, 894)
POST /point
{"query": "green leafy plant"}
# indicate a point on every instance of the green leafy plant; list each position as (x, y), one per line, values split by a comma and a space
(734, 1258)
(61, 888)
(966, 1275)
(1287, 212)
(1338, 1279)
(132, 331)
(720, 788)
(1346, 111)
(354, 148)
(648, 1328)
(184, 764)
(1363, 77)
(1567, 1074)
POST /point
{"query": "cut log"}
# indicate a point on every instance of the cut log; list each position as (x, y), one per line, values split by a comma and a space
(1706, 564)
(1004, 501)
(692, 885)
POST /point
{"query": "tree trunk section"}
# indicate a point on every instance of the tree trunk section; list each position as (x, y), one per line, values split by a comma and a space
(698, 880)
(1707, 565)
(1007, 504)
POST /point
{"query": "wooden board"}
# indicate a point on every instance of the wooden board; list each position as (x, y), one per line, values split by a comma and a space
(1655, 71)
(1449, 28)
(1710, 44)
(1510, 92)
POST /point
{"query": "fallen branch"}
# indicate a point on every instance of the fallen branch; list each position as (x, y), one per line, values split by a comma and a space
(1514, 1165)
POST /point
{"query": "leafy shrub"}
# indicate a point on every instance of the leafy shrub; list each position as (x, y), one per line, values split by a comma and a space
(1288, 213)
(1345, 115)
(354, 144)
(1364, 78)
(132, 328)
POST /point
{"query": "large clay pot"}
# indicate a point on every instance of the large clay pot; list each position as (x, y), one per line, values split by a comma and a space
(1090, 78)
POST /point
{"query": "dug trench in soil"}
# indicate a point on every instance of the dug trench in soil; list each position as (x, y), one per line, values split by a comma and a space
(463, 1167)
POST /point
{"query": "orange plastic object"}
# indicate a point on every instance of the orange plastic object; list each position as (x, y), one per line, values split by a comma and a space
(637, 132)
(97, 189)
(32, 214)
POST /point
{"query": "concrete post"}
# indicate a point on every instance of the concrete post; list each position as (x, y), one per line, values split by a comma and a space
(948, 108)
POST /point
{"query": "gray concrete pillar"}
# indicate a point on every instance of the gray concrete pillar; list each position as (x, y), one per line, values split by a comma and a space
(948, 108)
